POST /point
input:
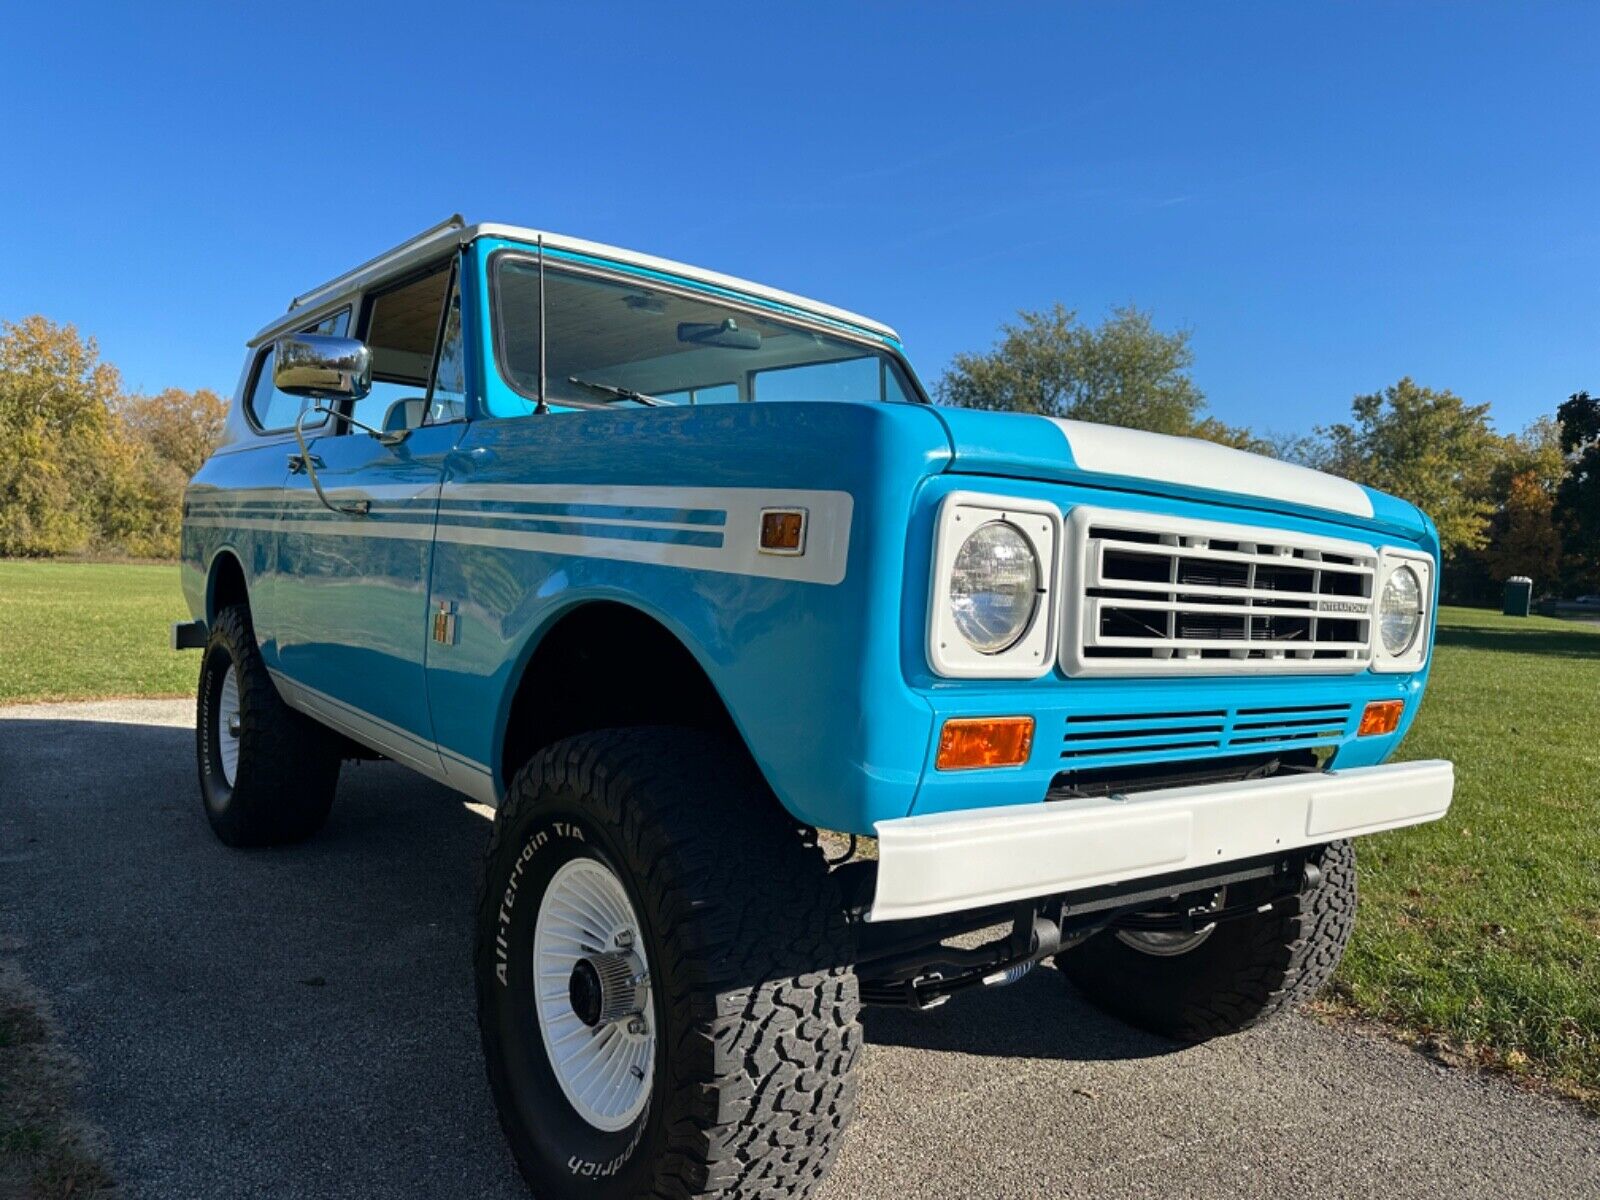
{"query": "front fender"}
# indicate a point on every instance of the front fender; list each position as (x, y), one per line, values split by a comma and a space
(798, 662)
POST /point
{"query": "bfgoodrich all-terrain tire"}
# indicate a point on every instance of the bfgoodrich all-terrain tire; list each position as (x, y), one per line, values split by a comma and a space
(267, 773)
(1238, 974)
(664, 989)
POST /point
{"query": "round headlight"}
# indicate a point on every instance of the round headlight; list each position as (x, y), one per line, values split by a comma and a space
(994, 587)
(1400, 611)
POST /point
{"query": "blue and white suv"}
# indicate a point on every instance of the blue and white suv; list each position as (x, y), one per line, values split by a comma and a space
(687, 580)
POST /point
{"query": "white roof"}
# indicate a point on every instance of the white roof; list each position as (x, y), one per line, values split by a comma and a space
(456, 231)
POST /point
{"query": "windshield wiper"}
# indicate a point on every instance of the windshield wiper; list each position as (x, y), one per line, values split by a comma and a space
(620, 393)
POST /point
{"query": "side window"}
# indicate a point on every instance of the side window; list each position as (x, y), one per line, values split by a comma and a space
(868, 378)
(447, 399)
(402, 331)
(274, 411)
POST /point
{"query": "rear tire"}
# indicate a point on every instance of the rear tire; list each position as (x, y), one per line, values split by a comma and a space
(267, 773)
(1239, 974)
(746, 1022)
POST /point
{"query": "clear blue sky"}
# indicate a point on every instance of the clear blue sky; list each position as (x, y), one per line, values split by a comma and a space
(1329, 197)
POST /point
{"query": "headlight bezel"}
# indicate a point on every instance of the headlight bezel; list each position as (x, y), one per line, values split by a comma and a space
(1392, 560)
(1032, 653)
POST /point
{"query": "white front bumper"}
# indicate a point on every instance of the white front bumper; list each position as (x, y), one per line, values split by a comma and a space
(946, 862)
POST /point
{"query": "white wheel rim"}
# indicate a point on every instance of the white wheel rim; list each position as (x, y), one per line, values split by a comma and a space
(228, 725)
(604, 1070)
(1163, 944)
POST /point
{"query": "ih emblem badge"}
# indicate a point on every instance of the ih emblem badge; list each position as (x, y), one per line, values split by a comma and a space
(444, 624)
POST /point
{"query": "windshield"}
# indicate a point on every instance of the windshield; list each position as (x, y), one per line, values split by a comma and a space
(613, 343)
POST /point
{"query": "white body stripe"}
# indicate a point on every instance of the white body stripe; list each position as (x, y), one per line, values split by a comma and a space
(622, 495)
(562, 519)
(828, 518)
(827, 548)
(1134, 454)
(352, 528)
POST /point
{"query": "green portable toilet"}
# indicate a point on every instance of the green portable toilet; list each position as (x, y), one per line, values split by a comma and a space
(1519, 596)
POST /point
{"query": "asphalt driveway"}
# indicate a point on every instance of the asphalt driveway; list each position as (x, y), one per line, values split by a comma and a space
(298, 1023)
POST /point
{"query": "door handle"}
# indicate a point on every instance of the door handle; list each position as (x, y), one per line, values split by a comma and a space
(297, 463)
(468, 461)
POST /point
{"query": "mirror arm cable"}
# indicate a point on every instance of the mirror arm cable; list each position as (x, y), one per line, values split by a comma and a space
(356, 508)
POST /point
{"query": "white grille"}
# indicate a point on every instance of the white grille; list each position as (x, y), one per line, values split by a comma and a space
(1157, 595)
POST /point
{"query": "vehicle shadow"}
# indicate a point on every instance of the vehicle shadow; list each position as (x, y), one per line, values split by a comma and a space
(1040, 1017)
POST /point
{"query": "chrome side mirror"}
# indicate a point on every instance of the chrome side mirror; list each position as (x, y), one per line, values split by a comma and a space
(321, 367)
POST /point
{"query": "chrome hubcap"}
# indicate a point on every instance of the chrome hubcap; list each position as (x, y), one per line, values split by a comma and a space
(593, 995)
(605, 988)
(228, 724)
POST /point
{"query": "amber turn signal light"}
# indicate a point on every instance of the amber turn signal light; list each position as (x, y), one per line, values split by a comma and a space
(967, 742)
(1381, 716)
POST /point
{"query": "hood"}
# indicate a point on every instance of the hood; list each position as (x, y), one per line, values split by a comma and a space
(1026, 446)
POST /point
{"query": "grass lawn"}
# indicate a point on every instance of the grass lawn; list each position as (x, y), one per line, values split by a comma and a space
(72, 630)
(44, 1154)
(1483, 930)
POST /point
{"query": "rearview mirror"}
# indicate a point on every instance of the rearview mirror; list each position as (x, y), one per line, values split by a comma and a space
(725, 334)
(321, 367)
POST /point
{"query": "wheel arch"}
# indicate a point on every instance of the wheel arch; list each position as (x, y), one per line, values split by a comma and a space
(225, 583)
(603, 663)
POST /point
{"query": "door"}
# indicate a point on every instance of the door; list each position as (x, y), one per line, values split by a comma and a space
(352, 601)
(248, 512)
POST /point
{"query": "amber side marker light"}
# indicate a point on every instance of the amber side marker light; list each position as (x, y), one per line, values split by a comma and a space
(968, 742)
(783, 531)
(1381, 716)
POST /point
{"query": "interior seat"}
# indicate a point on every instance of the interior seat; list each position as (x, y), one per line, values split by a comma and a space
(405, 414)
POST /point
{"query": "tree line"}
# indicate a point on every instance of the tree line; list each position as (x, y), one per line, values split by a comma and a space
(1524, 503)
(87, 467)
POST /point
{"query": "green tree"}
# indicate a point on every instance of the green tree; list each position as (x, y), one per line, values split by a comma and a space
(1429, 447)
(39, 514)
(1536, 450)
(56, 444)
(82, 466)
(182, 428)
(165, 439)
(1578, 496)
(1123, 372)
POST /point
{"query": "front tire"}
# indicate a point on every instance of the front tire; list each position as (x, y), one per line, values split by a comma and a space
(267, 773)
(659, 856)
(1237, 974)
